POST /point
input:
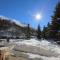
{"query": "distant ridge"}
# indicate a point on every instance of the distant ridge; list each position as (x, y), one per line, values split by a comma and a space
(13, 28)
(12, 20)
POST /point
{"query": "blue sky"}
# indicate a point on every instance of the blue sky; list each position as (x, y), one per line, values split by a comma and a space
(23, 10)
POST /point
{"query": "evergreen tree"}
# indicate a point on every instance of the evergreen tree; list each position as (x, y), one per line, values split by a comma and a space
(28, 31)
(44, 32)
(39, 32)
(55, 27)
(48, 30)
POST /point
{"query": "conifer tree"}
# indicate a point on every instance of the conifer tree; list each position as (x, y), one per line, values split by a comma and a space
(44, 32)
(55, 27)
(28, 31)
(39, 32)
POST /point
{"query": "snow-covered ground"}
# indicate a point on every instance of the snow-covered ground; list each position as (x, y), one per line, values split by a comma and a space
(43, 49)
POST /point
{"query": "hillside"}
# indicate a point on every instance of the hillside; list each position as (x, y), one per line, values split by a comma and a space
(10, 28)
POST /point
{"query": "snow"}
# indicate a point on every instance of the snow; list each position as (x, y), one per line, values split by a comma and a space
(12, 20)
(4, 17)
(38, 49)
(32, 55)
(42, 44)
(19, 23)
(31, 42)
(42, 57)
(34, 42)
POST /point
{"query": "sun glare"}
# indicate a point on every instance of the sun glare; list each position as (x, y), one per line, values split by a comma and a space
(38, 16)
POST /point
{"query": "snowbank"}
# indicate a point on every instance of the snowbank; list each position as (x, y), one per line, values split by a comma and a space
(41, 57)
(38, 49)
(40, 44)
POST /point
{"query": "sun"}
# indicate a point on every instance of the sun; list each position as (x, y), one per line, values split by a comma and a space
(38, 16)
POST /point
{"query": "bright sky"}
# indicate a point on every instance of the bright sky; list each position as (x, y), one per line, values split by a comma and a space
(25, 10)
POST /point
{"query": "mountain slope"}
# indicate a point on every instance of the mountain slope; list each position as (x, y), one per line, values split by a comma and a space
(12, 28)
